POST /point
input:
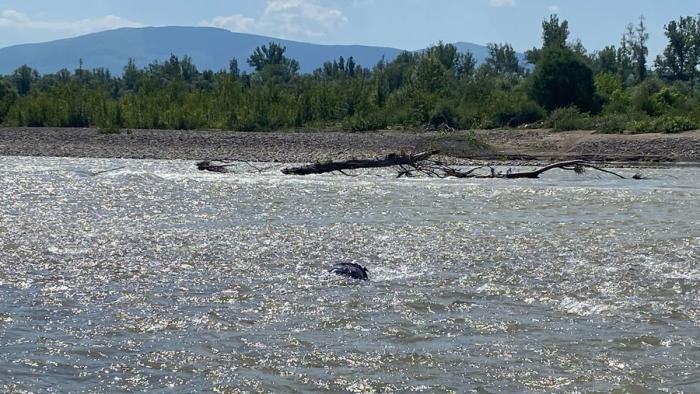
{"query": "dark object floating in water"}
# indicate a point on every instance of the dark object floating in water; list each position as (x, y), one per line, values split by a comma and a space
(213, 166)
(350, 270)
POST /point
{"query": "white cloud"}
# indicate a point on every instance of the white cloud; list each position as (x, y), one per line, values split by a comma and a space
(502, 3)
(235, 22)
(12, 19)
(295, 18)
(554, 9)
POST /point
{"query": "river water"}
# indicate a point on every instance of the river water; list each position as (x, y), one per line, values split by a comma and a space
(157, 277)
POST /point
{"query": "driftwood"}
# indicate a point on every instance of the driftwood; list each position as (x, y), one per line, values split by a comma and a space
(96, 173)
(410, 165)
(214, 166)
(577, 166)
(222, 166)
(440, 170)
(340, 166)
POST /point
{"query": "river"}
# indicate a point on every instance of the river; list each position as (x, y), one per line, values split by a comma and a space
(157, 277)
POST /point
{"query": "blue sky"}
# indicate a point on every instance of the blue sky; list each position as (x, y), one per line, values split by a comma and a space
(407, 24)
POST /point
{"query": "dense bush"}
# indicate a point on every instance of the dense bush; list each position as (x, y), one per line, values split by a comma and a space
(663, 124)
(643, 99)
(365, 123)
(443, 113)
(613, 124)
(510, 110)
(569, 118)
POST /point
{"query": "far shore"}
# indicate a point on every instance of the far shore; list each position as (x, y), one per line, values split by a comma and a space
(514, 146)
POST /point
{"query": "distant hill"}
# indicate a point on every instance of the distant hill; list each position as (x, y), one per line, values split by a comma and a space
(210, 48)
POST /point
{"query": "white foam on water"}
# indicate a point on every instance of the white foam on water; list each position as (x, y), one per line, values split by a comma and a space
(583, 307)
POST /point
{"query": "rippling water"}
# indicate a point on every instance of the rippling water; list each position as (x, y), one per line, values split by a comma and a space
(156, 276)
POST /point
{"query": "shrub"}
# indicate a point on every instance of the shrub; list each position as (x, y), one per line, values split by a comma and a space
(522, 113)
(668, 98)
(612, 124)
(511, 110)
(644, 100)
(468, 118)
(664, 124)
(606, 84)
(618, 102)
(369, 122)
(443, 113)
(569, 118)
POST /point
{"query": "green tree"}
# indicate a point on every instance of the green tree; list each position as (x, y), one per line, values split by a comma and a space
(131, 75)
(607, 84)
(7, 98)
(640, 50)
(270, 61)
(188, 70)
(625, 61)
(24, 77)
(554, 35)
(233, 69)
(605, 60)
(681, 57)
(561, 79)
(554, 32)
(633, 52)
(502, 59)
(351, 67)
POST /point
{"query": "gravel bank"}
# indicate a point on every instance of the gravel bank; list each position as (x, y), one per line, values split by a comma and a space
(538, 145)
(545, 145)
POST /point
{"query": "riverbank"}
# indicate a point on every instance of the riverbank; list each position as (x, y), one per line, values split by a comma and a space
(488, 145)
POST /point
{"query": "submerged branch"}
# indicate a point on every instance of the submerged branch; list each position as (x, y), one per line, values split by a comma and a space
(96, 173)
(577, 166)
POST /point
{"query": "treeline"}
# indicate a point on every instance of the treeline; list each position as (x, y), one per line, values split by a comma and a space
(563, 86)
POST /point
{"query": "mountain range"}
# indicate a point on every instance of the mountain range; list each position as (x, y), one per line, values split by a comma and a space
(210, 48)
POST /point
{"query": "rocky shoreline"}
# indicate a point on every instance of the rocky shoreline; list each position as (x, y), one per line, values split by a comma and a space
(459, 147)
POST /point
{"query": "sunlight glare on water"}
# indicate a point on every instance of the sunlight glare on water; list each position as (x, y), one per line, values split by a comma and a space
(157, 276)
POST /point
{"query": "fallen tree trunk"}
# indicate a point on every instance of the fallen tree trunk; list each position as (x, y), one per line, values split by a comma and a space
(412, 164)
(340, 166)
